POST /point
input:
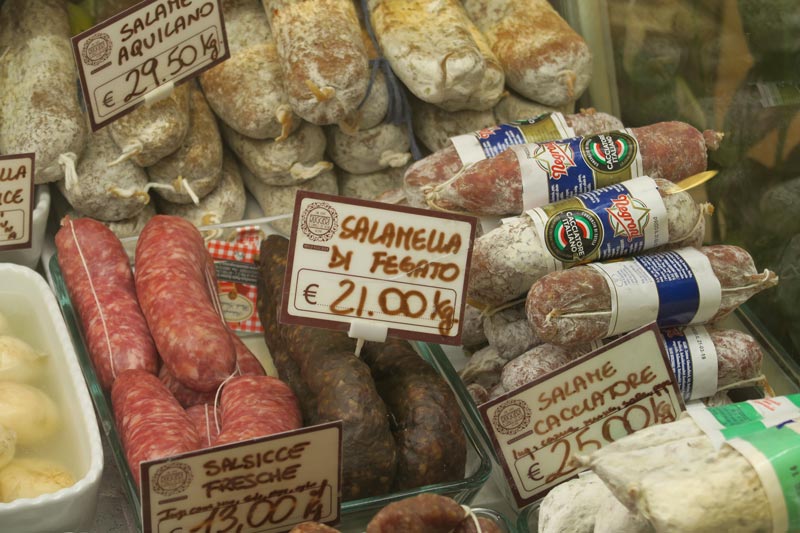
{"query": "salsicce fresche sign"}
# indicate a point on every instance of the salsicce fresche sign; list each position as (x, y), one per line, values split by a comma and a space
(622, 387)
(396, 267)
(132, 54)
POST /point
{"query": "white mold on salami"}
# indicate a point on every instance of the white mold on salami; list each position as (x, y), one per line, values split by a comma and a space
(247, 91)
(297, 158)
(544, 59)
(39, 105)
(434, 126)
(438, 52)
(195, 168)
(369, 186)
(322, 56)
(365, 151)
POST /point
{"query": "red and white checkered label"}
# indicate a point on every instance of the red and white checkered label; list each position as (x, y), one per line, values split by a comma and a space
(236, 264)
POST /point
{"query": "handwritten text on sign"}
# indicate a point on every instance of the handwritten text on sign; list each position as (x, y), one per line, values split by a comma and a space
(156, 42)
(265, 485)
(16, 201)
(396, 267)
(620, 388)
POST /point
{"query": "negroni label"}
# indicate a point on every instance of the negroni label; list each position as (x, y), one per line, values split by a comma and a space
(555, 170)
(613, 221)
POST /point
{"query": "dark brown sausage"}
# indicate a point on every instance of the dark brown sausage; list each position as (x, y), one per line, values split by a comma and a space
(174, 283)
(99, 280)
(669, 150)
(323, 363)
(150, 421)
(431, 446)
(426, 513)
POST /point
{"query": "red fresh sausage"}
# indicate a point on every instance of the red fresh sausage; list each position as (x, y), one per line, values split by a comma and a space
(150, 421)
(100, 283)
(176, 286)
(256, 406)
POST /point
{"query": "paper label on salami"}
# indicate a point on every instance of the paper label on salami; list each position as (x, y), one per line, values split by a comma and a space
(492, 141)
(611, 392)
(16, 201)
(378, 266)
(555, 170)
(728, 421)
(613, 221)
(694, 361)
(262, 485)
(142, 49)
(774, 453)
(674, 288)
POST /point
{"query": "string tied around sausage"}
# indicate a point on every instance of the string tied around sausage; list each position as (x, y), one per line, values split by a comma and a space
(133, 149)
(285, 118)
(181, 184)
(470, 514)
(67, 162)
(68, 221)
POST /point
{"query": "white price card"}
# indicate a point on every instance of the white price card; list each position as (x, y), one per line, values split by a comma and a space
(265, 485)
(152, 45)
(385, 266)
(622, 387)
(16, 201)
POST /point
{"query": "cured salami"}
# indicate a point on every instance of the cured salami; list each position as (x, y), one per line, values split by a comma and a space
(99, 280)
(575, 305)
(443, 164)
(530, 175)
(507, 260)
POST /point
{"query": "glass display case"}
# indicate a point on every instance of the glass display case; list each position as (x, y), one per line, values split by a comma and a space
(732, 66)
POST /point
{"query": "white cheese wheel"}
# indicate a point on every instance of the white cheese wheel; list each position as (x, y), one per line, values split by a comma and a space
(27, 411)
(29, 478)
(19, 362)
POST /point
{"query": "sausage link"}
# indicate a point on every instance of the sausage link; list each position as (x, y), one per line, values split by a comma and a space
(443, 164)
(203, 416)
(431, 513)
(324, 364)
(431, 446)
(98, 276)
(507, 260)
(246, 365)
(256, 406)
(151, 422)
(574, 305)
(323, 58)
(174, 284)
(669, 150)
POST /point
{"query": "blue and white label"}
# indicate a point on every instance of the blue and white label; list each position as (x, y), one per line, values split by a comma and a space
(693, 358)
(675, 288)
(614, 221)
(492, 141)
(555, 170)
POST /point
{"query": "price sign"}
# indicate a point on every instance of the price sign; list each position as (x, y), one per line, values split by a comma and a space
(265, 485)
(395, 267)
(16, 201)
(620, 388)
(143, 48)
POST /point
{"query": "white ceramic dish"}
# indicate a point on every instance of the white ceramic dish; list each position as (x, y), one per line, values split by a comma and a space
(33, 315)
(29, 257)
